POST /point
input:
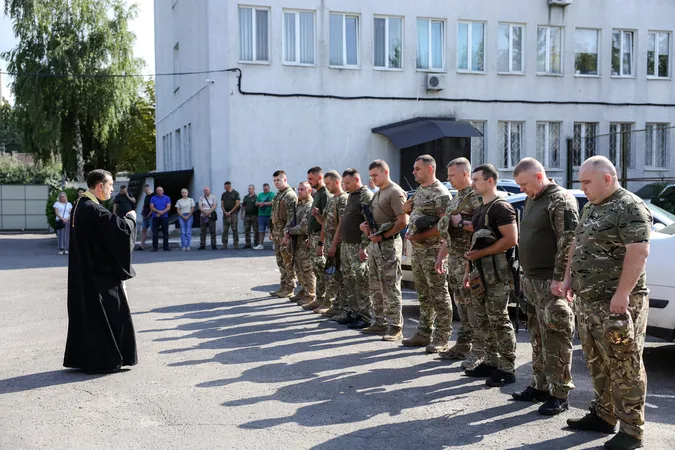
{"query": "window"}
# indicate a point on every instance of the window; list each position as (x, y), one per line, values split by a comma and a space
(549, 50)
(389, 42)
(586, 52)
(344, 40)
(658, 54)
(299, 37)
(430, 44)
(187, 133)
(478, 144)
(471, 46)
(548, 144)
(176, 67)
(622, 53)
(510, 43)
(620, 135)
(179, 149)
(510, 143)
(656, 145)
(584, 142)
(164, 152)
(254, 39)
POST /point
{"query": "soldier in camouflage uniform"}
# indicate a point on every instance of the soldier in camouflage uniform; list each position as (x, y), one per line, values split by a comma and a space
(333, 304)
(352, 253)
(547, 228)
(456, 230)
(611, 303)
(491, 280)
(427, 206)
(297, 236)
(384, 253)
(282, 215)
(321, 196)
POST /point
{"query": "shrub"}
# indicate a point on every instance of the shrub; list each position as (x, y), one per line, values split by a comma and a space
(13, 171)
(71, 193)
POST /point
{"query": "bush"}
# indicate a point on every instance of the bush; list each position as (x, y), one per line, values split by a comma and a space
(71, 193)
(13, 171)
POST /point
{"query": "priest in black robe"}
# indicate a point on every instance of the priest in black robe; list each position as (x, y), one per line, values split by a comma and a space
(100, 331)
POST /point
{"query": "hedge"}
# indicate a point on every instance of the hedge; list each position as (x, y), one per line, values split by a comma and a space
(71, 193)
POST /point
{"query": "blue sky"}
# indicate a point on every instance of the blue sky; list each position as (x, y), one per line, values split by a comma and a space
(143, 26)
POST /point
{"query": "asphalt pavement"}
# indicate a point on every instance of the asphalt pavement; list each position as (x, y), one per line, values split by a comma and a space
(224, 365)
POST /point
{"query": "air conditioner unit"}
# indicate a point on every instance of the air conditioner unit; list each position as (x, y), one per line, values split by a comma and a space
(560, 2)
(435, 82)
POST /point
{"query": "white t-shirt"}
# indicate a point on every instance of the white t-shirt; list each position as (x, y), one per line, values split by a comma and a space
(184, 205)
(205, 206)
(63, 209)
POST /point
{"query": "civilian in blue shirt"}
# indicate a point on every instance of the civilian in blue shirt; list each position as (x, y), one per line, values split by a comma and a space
(160, 205)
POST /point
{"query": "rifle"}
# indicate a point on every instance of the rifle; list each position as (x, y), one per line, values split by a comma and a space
(371, 222)
(410, 188)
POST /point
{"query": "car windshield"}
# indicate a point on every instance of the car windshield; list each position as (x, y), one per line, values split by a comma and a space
(661, 211)
(669, 230)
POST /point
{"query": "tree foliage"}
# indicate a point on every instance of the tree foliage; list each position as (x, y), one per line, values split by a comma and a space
(69, 115)
(10, 140)
(13, 171)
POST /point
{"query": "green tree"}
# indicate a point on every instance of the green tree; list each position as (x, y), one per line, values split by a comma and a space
(72, 115)
(10, 140)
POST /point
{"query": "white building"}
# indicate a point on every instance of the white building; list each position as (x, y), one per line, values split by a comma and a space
(317, 76)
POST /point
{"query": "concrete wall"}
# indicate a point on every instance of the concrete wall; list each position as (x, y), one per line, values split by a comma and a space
(22, 207)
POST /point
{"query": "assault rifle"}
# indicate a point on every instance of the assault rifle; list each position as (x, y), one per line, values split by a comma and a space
(371, 222)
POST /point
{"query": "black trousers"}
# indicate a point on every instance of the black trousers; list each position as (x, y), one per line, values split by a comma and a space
(156, 222)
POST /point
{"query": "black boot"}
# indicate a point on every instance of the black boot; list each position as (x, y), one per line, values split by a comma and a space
(346, 320)
(554, 406)
(531, 394)
(623, 441)
(500, 378)
(591, 422)
(358, 324)
(482, 371)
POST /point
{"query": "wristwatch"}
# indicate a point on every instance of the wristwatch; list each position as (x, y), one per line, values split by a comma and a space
(460, 224)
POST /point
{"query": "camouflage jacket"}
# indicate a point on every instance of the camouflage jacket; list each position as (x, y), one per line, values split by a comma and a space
(303, 211)
(459, 241)
(601, 237)
(334, 210)
(282, 208)
(431, 201)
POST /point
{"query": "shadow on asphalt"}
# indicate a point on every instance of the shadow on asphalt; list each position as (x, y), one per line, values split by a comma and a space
(46, 379)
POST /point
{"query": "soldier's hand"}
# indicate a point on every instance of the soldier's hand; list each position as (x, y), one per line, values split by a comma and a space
(319, 251)
(557, 288)
(365, 228)
(308, 244)
(284, 241)
(331, 251)
(315, 212)
(363, 256)
(408, 206)
(131, 214)
(466, 281)
(567, 289)
(439, 266)
(376, 238)
(472, 255)
(619, 304)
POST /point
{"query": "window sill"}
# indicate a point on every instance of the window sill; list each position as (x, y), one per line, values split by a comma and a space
(388, 69)
(624, 77)
(517, 74)
(554, 169)
(471, 72)
(652, 78)
(345, 67)
(581, 75)
(432, 70)
(292, 64)
(258, 63)
(656, 169)
(546, 74)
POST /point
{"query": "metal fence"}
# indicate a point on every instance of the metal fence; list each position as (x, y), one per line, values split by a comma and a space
(22, 207)
(640, 156)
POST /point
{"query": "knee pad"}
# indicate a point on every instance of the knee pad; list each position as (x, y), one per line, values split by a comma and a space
(559, 316)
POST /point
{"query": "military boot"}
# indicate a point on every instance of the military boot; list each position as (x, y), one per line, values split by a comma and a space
(315, 304)
(623, 441)
(500, 378)
(591, 422)
(375, 329)
(393, 334)
(299, 295)
(554, 406)
(437, 345)
(457, 352)
(330, 312)
(417, 341)
(471, 361)
(284, 293)
(306, 300)
(341, 315)
(531, 394)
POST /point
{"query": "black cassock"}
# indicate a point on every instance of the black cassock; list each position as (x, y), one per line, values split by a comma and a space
(100, 331)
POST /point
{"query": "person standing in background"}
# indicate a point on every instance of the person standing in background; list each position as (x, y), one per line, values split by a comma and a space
(249, 214)
(208, 216)
(124, 202)
(264, 204)
(186, 208)
(160, 205)
(146, 216)
(229, 203)
(62, 209)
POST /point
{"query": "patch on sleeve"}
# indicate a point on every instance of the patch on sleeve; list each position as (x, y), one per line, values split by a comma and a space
(568, 217)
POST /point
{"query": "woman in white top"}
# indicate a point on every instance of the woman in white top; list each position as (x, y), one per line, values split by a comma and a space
(62, 209)
(185, 207)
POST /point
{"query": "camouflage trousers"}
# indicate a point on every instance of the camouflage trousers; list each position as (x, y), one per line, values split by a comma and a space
(284, 261)
(432, 291)
(304, 269)
(251, 225)
(384, 274)
(233, 223)
(462, 296)
(334, 284)
(318, 266)
(550, 321)
(494, 330)
(617, 370)
(355, 277)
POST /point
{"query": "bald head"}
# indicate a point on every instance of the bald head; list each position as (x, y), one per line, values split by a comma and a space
(599, 164)
(598, 179)
(529, 165)
(531, 176)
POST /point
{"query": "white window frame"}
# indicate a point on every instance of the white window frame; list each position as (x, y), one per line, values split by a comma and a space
(548, 43)
(480, 125)
(254, 40)
(656, 54)
(633, 59)
(522, 49)
(431, 50)
(655, 128)
(176, 67)
(344, 64)
(616, 138)
(582, 142)
(469, 24)
(387, 44)
(598, 62)
(507, 126)
(296, 13)
(545, 156)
